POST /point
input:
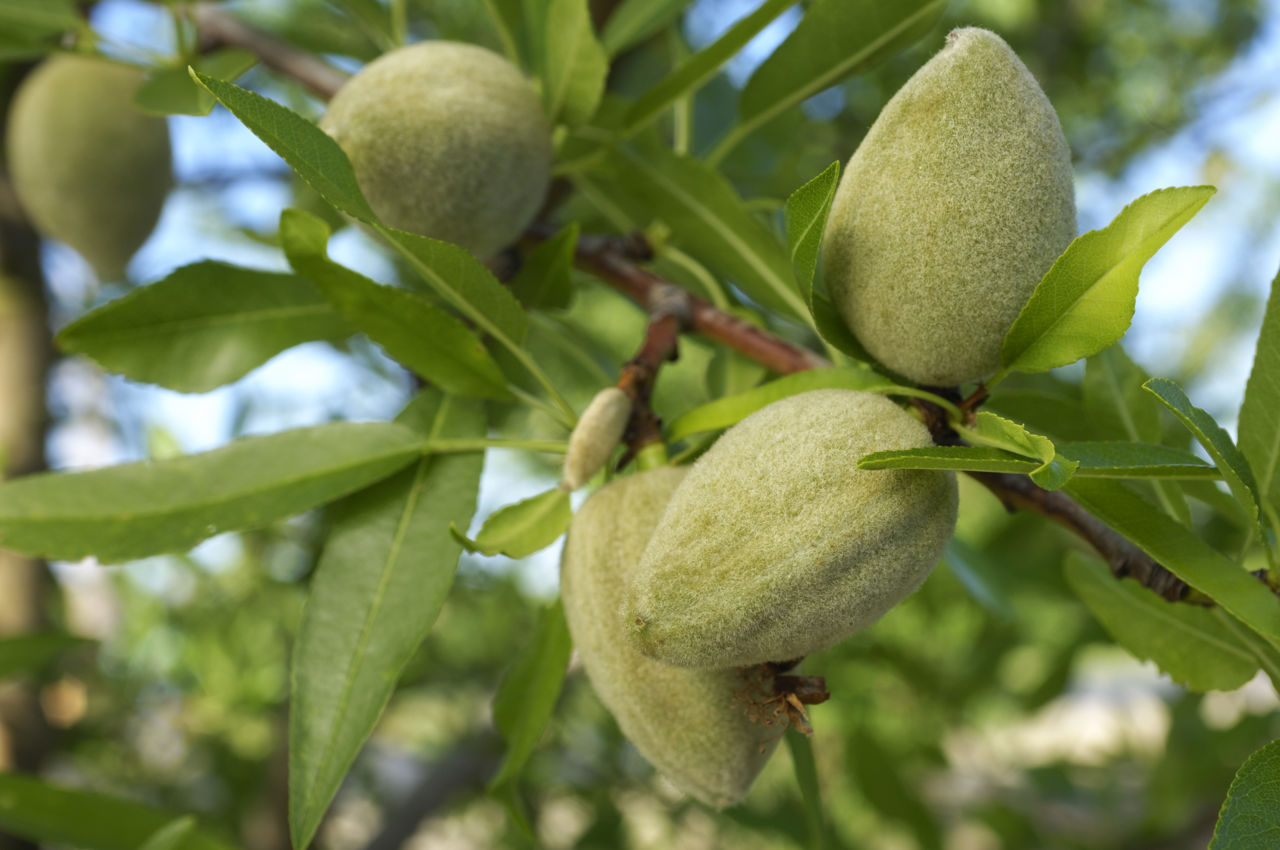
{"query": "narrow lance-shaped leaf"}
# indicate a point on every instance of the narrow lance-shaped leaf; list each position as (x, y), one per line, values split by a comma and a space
(1250, 816)
(695, 71)
(385, 571)
(1119, 408)
(704, 209)
(1093, 460)
(50, 815)
(523, 528)
(727, 411)
(529, 691)
(151, 507)
(305, 147)
(1217, 442)
(1182, 552)
(1260, 413)
(835, 38)
(414, 331)
(205, 325)
(575, 64)
(1085, 301)
(806, 214)
(1186, 641)
(635, 20)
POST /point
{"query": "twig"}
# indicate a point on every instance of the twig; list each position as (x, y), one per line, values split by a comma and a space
(640, 373)
(219, 28)
(615, 260)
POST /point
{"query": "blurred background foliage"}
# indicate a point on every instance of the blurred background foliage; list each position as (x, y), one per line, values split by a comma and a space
(988, 711)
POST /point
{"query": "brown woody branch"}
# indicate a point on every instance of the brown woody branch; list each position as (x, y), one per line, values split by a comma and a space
(218, 28)
(616, 260)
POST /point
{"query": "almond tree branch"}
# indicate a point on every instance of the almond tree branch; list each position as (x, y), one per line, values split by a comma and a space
(219, 28)
(615, 260)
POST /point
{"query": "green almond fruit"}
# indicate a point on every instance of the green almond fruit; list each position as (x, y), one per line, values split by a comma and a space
(447, 140)
(777, 545)
(690, 724)
(89, 167)
(950, 212)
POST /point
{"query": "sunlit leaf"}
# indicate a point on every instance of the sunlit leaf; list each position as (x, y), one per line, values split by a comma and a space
(695, 71)
(835, 38)
(151, 507)
(1250, 816)
(205, 325)
(522, 528)
(305, 147)
(574, 64)
(386, 568)
(1260, 413)
(1085, 301)
(635, 20)
(412, 330)
(997, 432)
(806, 215)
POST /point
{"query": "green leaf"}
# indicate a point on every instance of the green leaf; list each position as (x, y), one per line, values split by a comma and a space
(386, 569)
(1259, 433)
(508, 21)
(1217, 442)
(544, 280)
(172, 91)
(699, 68)
(806, 770)
(1085, 301)
(574, 65)
(960, 458)
(835, 38)
(1119, 408)
(1093, 459)
(1182, 552)
(28, 19)
(413, 331)
(151, 507)
(1000, 433)
(1186, 641)
(1114, 459)
(32, 652)
(1250, 816)
(806, 215)
(523, 528)
(305, 147)
(174, 836)
(51, 815)
(635, 20)
(205, 325)
(463, 281)
(529, 691)
(727, 411)
(701, 206)
(981, 577)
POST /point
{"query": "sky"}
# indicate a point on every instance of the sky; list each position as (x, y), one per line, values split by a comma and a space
(1235, 241)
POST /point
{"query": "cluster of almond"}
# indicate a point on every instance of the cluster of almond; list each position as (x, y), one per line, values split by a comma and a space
(689, 591)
